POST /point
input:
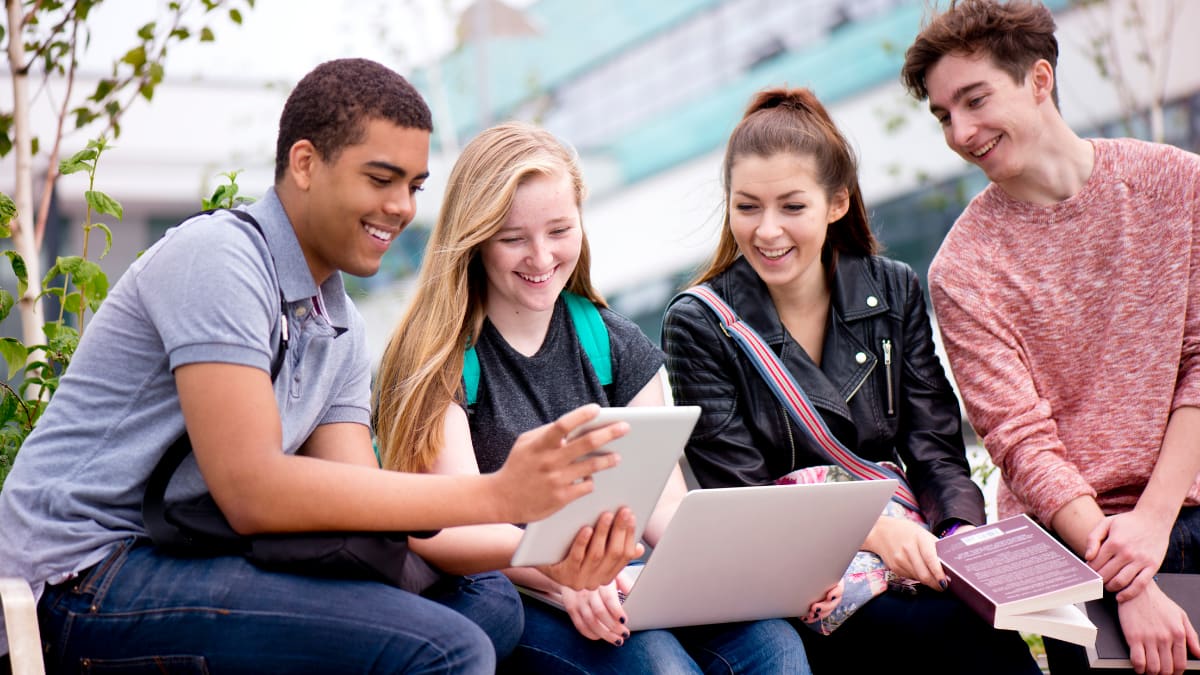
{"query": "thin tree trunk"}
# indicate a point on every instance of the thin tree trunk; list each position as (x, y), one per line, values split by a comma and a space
(32, 317)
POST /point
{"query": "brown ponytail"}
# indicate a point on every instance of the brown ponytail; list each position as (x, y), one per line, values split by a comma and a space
(793, 121)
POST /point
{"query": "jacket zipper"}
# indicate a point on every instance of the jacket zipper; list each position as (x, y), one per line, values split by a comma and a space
(887, 370)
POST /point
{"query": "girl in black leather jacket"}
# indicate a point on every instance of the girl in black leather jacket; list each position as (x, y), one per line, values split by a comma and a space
(795, 261)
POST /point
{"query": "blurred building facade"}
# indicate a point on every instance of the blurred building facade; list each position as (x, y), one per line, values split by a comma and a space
(647, 93)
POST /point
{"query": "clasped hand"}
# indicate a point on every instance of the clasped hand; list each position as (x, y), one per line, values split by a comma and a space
(1127, 550)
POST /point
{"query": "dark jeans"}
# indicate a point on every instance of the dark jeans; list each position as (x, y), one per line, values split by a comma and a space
(930, 633)
(140, 611)
(1183, 556)
(552, 644)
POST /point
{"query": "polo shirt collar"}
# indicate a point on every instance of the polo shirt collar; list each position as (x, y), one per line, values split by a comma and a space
(295, 279)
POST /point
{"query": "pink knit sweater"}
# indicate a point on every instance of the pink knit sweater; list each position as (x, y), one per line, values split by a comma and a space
(1073, 330)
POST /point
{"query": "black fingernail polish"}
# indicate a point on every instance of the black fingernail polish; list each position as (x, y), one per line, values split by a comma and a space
(944, 583)
(625, 634)
(620, 642)
(622, 619)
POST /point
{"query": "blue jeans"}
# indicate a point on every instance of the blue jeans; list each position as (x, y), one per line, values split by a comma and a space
(551, 644)
(1183, 556)
(930, 632)
(140, 611)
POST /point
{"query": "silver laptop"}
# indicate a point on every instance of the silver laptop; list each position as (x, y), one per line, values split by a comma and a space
(739, 554)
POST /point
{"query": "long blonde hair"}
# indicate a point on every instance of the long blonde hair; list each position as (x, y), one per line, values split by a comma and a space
(421, 371)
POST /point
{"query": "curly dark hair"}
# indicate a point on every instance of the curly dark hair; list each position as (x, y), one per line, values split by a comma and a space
(1014, 34)
(332, 104)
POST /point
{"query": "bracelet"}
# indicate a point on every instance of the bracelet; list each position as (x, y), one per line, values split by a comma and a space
(952, 529)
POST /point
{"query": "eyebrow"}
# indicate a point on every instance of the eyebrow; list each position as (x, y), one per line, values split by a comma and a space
(398, 170)
(553, 221)
(956, 96)
(793, 193)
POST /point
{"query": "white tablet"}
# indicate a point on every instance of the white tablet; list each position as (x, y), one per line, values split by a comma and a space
(648, 452)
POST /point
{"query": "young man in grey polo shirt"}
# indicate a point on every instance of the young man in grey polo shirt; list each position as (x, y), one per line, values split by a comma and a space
(187, 339)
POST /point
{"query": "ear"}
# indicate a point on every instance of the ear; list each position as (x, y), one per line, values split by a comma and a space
(1041, 75)
(839, 204)
(302, 160)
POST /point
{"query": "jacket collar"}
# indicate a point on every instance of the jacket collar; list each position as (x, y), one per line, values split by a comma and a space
(855, 296)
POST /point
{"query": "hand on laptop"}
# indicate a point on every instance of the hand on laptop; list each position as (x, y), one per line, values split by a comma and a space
(598, 553)
(1158, 632)
(826, 605)
(597, 614)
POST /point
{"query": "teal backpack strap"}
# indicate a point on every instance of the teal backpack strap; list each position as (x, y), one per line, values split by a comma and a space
(593, 335)
(471, 375)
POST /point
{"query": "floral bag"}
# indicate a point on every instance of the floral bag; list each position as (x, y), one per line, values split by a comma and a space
(867, 576)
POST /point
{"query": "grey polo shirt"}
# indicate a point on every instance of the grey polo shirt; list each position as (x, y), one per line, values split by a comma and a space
(208, 291)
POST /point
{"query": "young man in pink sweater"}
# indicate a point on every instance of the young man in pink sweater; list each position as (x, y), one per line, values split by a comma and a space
(1068, 295)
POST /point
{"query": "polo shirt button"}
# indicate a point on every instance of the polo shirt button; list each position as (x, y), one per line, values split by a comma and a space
(861, 358)
(300, 312)
(872, 301)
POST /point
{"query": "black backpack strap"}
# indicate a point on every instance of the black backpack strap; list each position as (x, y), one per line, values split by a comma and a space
(154, 502)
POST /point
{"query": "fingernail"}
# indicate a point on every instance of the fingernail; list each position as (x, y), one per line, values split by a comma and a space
(622, 619)
(817, 613)
(944, 583)
(625, 634)
(620, 642)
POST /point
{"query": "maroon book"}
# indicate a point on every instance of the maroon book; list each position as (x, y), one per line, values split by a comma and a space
(1111, 650)
(1016, 576)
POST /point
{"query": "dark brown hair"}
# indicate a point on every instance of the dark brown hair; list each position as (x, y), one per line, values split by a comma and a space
(1013, 34)
(332, 104)
(793, 121)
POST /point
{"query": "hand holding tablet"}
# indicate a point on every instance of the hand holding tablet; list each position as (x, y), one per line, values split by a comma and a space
(649, 451)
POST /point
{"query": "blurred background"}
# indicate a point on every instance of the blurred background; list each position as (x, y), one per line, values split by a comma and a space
(646, 91)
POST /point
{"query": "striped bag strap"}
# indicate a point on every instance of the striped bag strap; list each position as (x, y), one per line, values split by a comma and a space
(793, 398)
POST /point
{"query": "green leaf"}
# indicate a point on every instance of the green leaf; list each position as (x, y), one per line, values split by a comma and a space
(206, 35)
(235, 16)
(147, 91)
(14, 354)
(19, 271)
(146, 32)
(84, 116)
(80, 161)
(135, 57)
(34, 144)
(6, 303)
(64, 342)
(180, 33)
(8, 406)
(72, 303)
(107, 238)
(103, 88)
(8, 211)
(6, 145)
(102, 203)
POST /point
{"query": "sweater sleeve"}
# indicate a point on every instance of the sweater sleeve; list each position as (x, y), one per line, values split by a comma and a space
(1187, 388)
(992, 372)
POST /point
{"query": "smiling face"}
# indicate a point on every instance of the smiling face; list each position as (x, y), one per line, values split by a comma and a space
(779, 215)
(352, 206)
(530, 259)
(987, 117)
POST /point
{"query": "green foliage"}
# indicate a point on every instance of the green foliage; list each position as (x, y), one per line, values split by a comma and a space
(226, 195)
(80, 286)
(55, 33)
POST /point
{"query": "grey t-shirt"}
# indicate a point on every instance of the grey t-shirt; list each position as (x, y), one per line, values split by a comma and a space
(206, 292)
(518, 393)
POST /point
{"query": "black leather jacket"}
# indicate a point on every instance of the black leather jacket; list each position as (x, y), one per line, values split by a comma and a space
(880, 387)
